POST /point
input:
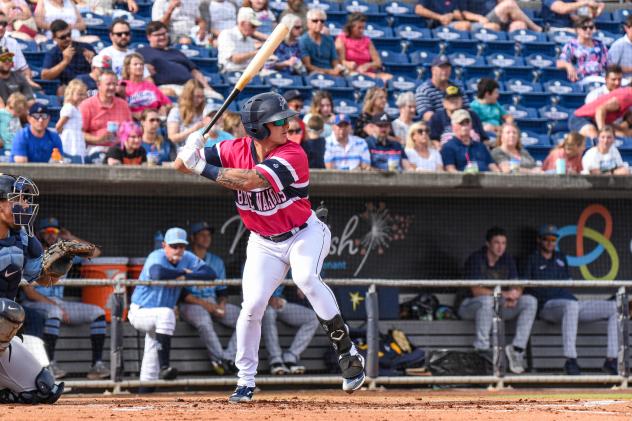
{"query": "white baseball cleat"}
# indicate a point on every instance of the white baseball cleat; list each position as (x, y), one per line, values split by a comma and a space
(352, 384)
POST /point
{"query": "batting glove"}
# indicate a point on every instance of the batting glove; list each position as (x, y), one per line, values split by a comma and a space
(195, 140)
(193, 159)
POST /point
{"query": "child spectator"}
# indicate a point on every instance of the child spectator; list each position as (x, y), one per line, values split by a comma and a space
(141, 94)
(264, 14)
(70, 124)
(10, 119)
(323, 106)
(130, 151)
(486, 105)
(604, 158)
(314, 144)
(570, 150)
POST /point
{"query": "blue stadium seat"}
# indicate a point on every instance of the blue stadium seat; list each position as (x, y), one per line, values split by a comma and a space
(398, 64)
(389, 57)
(27, 46)
(524, 36)
(36, 72)
(374, 31)
(403, 84)
(192, 51)
(524, 73)
(538, 145)
(535, 100)
(339, 18)
(392, 44)
(461, 46)
(590, 86)
(47, 100)
(406, 19)
(606, 37)
(346, 93)
(363, 82)
(398, 8)
(215, 79)
(559, 87)
(486, 35)
(472, 85)
(606, 22)
(521, 112)
(356, 6)
(561, 37)
(551, 73)
(541, 48)
(448, 34)
(502, 60)
(571, 100)
(466, 60)
(392, 110)
(206, 65)
(328, 6)
(231, 78)
(320, 81)
(34, 58)
(251, 90)
(621, 15)
(351, 108)
(412, 32)
(509, 98)
(49, 86)
(520, 87)
(335, 28)
(285, 81)
(557, 117)
(508, 48)
(426, 45)
(422, 60)
(534, 125)
(476, 72)
(540, 61)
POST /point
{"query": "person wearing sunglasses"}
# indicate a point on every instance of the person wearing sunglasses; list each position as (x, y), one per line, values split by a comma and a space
(35, 142)
(67, 59)
(12, 81)
(319, 49)
(420, 150)
(11, 44)
(270, 177)
(120, 34)
(584, 58)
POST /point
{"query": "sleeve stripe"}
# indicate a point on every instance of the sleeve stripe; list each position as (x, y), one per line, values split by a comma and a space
(288, 166)
(271, 175)
(300, 185)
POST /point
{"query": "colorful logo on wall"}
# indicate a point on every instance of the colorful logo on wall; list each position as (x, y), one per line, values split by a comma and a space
(583, 259)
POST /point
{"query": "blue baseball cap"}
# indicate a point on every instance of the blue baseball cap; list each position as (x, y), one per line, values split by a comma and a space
(548, 230)
(49, 222)
(38, 108)
(441, 60)
(201, 226)
(176, 236)
(342, 118)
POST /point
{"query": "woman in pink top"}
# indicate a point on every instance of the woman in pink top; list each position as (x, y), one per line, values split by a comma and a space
(142, 94)
(356, 50)
(571, 150)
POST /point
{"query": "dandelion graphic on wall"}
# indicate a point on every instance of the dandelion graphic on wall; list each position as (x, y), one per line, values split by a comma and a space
(384, 227)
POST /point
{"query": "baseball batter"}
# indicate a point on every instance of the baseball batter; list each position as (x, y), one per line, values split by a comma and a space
(270, 177)
(22, 378)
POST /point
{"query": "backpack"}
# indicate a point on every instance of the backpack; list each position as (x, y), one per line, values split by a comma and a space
(445, 362)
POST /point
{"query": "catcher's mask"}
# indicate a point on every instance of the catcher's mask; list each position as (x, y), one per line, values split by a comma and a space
(21, 193)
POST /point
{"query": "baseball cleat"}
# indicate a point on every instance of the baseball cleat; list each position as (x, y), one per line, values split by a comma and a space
(218, 367)
(352, 367)
(279, 369)
(295, 368)
(242, 394)
(168, 373)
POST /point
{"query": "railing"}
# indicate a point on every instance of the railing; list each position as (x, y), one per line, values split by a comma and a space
(498, 379)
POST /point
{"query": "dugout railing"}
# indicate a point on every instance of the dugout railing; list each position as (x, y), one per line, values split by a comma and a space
(498, 379)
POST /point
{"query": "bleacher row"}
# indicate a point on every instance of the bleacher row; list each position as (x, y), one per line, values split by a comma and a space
(533, 90)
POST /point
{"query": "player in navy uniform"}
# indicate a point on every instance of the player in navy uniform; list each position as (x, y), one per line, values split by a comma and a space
(22, 377)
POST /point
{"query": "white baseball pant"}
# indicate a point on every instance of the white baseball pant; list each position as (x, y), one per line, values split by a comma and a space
(18, 368)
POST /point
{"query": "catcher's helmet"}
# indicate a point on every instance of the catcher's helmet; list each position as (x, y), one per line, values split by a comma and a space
(261, 109)
(21, 192)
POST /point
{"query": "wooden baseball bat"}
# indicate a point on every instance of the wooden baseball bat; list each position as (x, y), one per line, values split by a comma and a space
(252, 69)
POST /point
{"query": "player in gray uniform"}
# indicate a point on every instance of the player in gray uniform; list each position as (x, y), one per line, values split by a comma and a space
(22, 378)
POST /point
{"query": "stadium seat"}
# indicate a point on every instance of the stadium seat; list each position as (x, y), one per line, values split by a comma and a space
(508, 48)
(335, 28)
(356, 6)
(285, 81)
(403, 84)
(606, 37)
(534, 125)
(434, 46)
(521, 112)
(520, 87)
(346, 93)
(337, 17)
(571, 100)
(590, 86)
(374, 31)
(461, 46)
(398, 8)
(540, 60)
(559, 87)
(469, 72)
(561, 37)
(466, 60)
(535, 99)
(351, 108)
(192, 51)
(389, 57)
(422, 60)
(486, 35)
(527, 74)
(557, 118)
(472, 84)
(551, 74)
(49, 86)
(448, 34)
(320, 81)
(207, 64)
(324, 5)
(509, 98)
(34, 58)
(606, 22)
(27, 46)
(392, 110)
(620, 15)
(395, 45)
(398, 64)
(363, 82)
(524, 36)
(231, 78)
(538, 145)
(412, 32)
(502, 60)
(541, 48)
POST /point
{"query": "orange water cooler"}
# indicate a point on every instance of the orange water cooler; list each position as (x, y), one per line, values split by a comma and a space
(103, 268)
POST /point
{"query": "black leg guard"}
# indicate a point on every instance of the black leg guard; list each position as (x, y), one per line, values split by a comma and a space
(350, 365)
(164, 351)
(46, 391)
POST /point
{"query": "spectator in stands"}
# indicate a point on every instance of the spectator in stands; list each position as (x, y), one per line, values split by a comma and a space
(19, 62)
(49, 11)
(20, 20)
(294, 99)
(188, 115)
(67, 59)
(386, 154)
(232, 124)
(289, 55)
(237, 46)
(105, 7)
(498, 15)
(295, 312)
(374, 104)
(570, 150)
(264, 14)
(344, 151)
(509, 154)
(461, 153)
(318, 49)
(141, 94)
(204, 305)
(215, 134)
(443, 13)
(584, 58)
(614, 109)
(561, 14)
(620, 51)
(429, 95)
(486, 105)
(170, 68)
(407, 109)
(99, 63)
(493, 262)
(70, 124)
(323, 106)
(130, 151)
(295, 131)
(559, 305)
(152, 307)
(356, 50)
(314, 143)
(35, 142)
(441, 125)
(159, 150)
(614, 76)
(296, 7)
(102, 114)
(222, 15)
(11, 81)
(177, 15)
(10, 120)
(120, 34)
(59, 311)
(604, 157)
(420, 150)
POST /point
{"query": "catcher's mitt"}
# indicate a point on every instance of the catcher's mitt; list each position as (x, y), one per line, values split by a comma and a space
(57, 259)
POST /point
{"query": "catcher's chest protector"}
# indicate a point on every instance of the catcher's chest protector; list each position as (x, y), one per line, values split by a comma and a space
(12, 260)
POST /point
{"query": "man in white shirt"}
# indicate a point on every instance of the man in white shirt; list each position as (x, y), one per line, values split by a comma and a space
(237, 46)
(120, 35)
(344, 151)
(620, 52)
(11, 44)
(614, 74)
(178, 15)
(605, 157)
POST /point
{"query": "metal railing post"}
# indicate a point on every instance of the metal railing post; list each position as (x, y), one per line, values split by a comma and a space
(498, 338)
(372, 335)
(117, 305)
(623, 322)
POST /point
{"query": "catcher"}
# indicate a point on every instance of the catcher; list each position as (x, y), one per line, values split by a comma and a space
(22, 378)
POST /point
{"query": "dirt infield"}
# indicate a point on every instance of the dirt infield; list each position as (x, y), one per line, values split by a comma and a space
(326, 405)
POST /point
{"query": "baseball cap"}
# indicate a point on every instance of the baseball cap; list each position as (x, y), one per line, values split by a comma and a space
(38, 108)
(292, 94)
(176, 236)
(341, 118)
(441, 60)
(4, 51)
(460, 115)
(102, 61)
(381, 118)
(453, 91)
(548, 230)
(246, 14)
(201, 226)
(49, 222)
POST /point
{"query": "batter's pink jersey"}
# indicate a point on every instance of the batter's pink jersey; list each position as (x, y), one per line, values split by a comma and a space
(275, 210)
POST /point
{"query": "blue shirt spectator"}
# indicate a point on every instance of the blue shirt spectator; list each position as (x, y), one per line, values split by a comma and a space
(443, 7)
(386, 155)
(35, 142)
(477, 266)
(344, 151)
(461, 151)
(321, 55)
(170, 65)
(79, 64)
